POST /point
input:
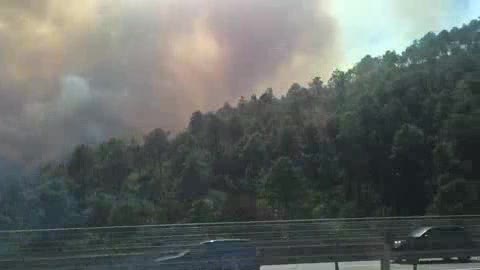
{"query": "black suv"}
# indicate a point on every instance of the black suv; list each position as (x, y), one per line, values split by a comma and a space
(222, 254)
(434, 242)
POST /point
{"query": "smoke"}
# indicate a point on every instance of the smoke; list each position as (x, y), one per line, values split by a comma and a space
(419, 17)
(50, 127)
(82, 71)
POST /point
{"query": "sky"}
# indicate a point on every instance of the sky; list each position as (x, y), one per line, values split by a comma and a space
(83, 71)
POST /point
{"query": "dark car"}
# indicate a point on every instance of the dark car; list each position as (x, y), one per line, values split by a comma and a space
(223, 254)
(434, 242)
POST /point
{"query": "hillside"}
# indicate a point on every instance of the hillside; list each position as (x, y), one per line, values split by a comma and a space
(397, 134)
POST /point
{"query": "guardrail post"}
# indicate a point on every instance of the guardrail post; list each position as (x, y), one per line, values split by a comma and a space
(336, 251)
(22, 242)
(385, 262)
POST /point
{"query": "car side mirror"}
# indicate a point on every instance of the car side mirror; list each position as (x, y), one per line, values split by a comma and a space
(426, 236)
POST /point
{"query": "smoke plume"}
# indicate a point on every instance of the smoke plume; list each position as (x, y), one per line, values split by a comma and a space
(82, 71)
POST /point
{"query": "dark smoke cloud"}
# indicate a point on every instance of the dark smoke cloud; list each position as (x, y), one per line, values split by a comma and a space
(81, 71)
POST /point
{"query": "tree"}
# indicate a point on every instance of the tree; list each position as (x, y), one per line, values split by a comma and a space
(113, 165)
(316, 84)
(284, 187)
(156, 144)
(410, 155)
(13, 203)
(131, 211)
(56, 207)
(268, 96)
(456, 197)
(99, 208)
(80, 169)
(253, 154)
(195, 176)
(196, 123)
(288, 142)
(202, 211)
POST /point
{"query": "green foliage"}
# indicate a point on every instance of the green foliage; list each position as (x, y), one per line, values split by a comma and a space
(456, 196)
(397, 134)
(284, 188)
(56, 204)
(132, 211)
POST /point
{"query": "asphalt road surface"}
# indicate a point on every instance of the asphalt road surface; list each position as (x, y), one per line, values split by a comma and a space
(375, 265)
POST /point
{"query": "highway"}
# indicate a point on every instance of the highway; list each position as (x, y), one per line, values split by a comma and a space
(136, 247)
(375, 265)
(431, 264)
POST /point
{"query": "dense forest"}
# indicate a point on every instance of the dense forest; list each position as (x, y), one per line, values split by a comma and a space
(397, 134)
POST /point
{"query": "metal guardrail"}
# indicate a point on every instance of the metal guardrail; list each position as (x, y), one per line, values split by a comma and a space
(279, 242)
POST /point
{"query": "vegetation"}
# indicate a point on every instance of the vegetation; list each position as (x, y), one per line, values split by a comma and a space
(397, 134)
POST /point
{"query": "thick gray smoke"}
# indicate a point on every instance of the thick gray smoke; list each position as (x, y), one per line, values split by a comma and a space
(81, 71)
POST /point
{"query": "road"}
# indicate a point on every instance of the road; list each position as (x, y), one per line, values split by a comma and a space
(375, 265)
(359, 265)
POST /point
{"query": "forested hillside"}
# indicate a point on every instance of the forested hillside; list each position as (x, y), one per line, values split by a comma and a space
(397, 134)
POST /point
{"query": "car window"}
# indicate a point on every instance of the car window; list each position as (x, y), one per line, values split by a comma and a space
(428, 234)
(199, 250)
(456, 233)
(436, 232)
(446, 233)
(231, 246)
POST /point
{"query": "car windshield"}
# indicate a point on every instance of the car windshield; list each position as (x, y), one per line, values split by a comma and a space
(418, 232)
(185, 252)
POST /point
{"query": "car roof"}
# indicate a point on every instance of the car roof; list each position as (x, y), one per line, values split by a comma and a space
(223, 241)
(450, 228)
(421, 230)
